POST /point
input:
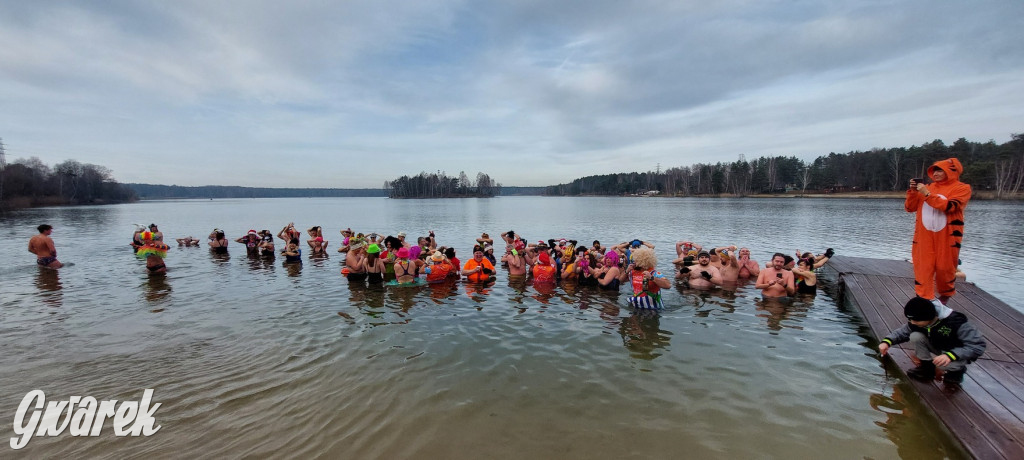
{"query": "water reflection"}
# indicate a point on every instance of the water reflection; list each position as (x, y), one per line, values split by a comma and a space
(156, 288)
(642, 334)
(259, 263)
(221, 259)
(908, 424)
(478, 292)
(404, 297)
(294, 269)
(48, 282)
(444, 290)
(780, 312)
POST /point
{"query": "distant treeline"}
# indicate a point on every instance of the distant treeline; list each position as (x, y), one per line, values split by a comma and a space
(998, 168)
(152, 191)
(439, 185)
(28, 183)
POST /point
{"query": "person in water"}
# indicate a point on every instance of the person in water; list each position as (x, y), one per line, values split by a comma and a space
(292, 253)
(373, 264)
(439, 268)
(317, 246)
(729, 267)
(266, 243)
(703, 275)
(515, 260)
(478, 269)
(187, 241)
(218, 242)
(456, 264)
(805, 278)
(251, 240)
(817, 261)
(947, 342)
(938, 228)
(405, 269)
(544, 270)
(749, 268)
(776, 281)
(586, 264)
(42, 246)
(609, 274)
(314, 233)
(154, 252)
(289, 233)
(646, 280)
(355, 262)
(157, 234)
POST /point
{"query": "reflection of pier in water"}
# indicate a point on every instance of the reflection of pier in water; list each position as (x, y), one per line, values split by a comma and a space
(987, 415)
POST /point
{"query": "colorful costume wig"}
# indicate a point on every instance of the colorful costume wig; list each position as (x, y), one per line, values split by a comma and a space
(150, 247)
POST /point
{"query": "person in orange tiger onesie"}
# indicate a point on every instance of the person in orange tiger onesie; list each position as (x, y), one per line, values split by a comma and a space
(939, 228)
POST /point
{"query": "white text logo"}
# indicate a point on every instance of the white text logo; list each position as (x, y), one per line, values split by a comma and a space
(82, 416)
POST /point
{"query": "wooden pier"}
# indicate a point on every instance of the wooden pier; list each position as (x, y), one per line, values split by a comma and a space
(987, 415)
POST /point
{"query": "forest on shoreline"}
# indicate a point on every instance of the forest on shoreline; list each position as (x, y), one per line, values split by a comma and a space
(993, 170)
(997, 170)
(31, 183)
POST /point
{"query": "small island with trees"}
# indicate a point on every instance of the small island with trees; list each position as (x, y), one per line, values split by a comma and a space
(440, 185)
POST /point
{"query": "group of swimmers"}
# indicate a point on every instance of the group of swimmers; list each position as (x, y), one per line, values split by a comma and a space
(374, 258)
(396, 260)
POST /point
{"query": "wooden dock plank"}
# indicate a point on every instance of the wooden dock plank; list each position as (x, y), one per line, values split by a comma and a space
(987, 415)
(1002, 340)
(980, 434)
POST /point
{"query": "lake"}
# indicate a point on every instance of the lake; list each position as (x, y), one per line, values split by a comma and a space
(255, 358)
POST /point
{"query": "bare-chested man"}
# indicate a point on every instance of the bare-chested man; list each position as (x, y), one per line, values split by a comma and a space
(703, 275)
(516, 260)
(749, 268)
(776, 281)
(728, 266)
(42, 246)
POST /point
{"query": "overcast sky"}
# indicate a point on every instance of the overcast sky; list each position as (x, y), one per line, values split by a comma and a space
(353, 93)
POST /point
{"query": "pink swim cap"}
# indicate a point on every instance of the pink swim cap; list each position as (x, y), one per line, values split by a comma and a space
(403, 253)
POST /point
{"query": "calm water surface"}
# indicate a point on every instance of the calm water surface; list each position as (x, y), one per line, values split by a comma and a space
(254, 358)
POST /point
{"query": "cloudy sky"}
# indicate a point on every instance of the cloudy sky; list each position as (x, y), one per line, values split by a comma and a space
(353, 93)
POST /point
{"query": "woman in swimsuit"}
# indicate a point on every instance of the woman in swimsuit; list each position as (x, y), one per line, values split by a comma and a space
(314, 233)
(405, 270)
(806, 280)
(373, 265)
(317, 246)
(292, 253)
(609, 273)
(218, 243)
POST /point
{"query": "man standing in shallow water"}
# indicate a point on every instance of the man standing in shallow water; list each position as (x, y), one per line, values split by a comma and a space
(42, 246)
(776, 281)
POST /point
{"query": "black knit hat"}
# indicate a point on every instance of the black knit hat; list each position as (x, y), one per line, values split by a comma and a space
(919, 309)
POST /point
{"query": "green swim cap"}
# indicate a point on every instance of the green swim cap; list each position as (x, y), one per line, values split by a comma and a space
(373, 249)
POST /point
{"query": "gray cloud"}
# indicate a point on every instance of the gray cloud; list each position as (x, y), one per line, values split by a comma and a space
(533, 93)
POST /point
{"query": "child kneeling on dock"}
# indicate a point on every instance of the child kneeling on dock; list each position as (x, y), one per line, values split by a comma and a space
(945, 341)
